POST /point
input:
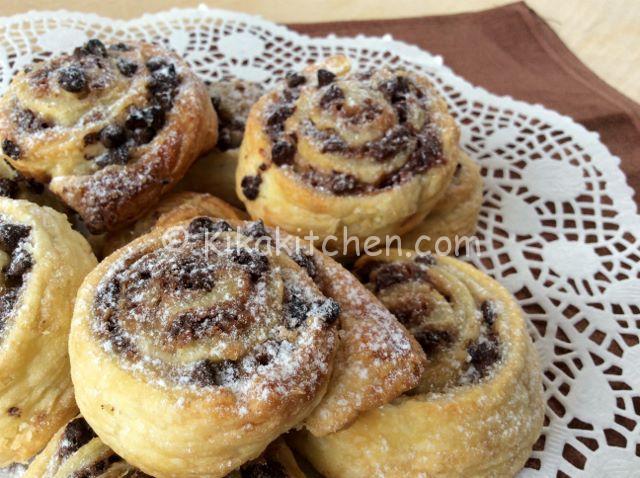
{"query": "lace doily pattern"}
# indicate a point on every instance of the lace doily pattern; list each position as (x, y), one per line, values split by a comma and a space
(558, 226)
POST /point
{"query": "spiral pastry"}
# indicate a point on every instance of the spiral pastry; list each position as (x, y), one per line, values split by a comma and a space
(478, 409)
(191, 352)
(456, 214)
(77, 452)
(109, 128)
(172, 209)
(328, 149)
(42, 264)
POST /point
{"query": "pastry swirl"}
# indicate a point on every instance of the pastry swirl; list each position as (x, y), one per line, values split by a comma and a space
(208, 347)
(77, 452)
(43, 262)
(110, 128)
(328, 148)
(376, 360)
(478, 408)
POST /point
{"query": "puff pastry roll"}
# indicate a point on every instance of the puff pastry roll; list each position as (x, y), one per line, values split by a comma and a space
(478, 408)
(109, 128)
(191, 352)
(42, 264)
(329, 148)
(77, 452)
(456, 214)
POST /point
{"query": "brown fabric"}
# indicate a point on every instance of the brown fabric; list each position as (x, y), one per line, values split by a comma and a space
(511, 51)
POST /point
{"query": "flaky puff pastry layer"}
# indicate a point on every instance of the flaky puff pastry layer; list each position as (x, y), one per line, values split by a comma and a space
(76, 451)
(172, 209)
(455, 217)
(478, 409)
(189, 359)
(36, 395)
(110, 128)
(377, 360)
(330, 148)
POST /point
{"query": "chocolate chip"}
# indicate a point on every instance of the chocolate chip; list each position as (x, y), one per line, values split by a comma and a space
(395, 89)
(95, 47)
(72, 78)
(333, 144)
(428, 152)
(276, 119)
(297, 310)
(136, 119)
(11, 235)
(29, 121)
(150, 117)
(91, 138)
(391, 143)
(396, 273)
(266, 469)
(328, 310)
(117, 156)
(19, 265)
(325, 77)
(305, 261)
(208, 373)
(489, 312)
(8, 188)
(126, 67)
(193, 274)
(333, 93)
(143, 135)
(295, 79)
(76, 434)
(112, 135)
(283, 152)
(432, 340)
(343, 183)
(120, 47)
(426, 259)
(206, 225)
(191, 326)
(14, 412)
(251, 186)
(156, 63)
(255, 229)
(484, 354)
(11, 149)
(256, 262)
(402, 111)
(165, 77)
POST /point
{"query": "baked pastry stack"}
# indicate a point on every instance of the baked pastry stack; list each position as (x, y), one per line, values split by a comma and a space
(207, 333)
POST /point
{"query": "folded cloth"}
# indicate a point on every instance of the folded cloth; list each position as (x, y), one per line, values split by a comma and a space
(510, 50)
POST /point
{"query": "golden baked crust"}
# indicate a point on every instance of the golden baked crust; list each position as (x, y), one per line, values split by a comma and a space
(172, 209)
(43, 263)
(456, 214)
(478, 409)
(109, 128)
(190, 354)
(76, 451)
(328, 148)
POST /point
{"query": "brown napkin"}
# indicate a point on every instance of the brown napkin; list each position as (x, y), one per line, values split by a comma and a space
(511, 51)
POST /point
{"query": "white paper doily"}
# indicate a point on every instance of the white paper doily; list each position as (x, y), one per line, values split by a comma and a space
(558, 227)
